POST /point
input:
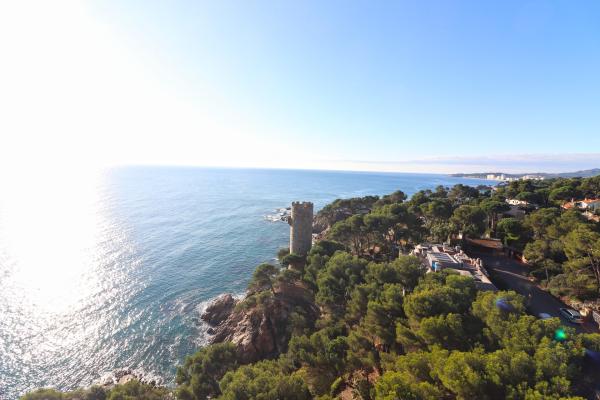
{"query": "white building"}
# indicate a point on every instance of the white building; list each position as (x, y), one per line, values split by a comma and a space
(532, 177)
(517, 202)
(441, 257)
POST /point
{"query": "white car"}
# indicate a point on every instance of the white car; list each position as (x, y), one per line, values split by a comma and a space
(572, 315)
(544, 315)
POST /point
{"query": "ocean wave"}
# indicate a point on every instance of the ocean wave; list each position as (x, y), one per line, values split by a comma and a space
(281, 214)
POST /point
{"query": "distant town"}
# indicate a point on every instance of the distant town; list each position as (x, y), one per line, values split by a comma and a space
(504, 177)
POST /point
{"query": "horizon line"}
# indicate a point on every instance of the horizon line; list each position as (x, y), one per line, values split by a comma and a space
(240, 167)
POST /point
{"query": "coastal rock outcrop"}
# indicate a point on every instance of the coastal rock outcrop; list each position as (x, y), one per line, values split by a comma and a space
(219, 309)
(260, 328)
(122, 376)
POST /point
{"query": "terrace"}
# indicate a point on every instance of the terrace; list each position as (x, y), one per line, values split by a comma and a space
(438, 257)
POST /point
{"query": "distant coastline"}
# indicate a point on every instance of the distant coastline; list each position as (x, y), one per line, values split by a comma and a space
(501, 176)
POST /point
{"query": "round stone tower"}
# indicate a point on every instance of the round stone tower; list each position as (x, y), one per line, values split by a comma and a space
(301, 222)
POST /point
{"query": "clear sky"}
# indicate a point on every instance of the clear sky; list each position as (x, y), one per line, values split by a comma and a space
(436, 86)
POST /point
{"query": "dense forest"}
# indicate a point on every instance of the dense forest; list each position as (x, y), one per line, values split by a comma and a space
(386, 329)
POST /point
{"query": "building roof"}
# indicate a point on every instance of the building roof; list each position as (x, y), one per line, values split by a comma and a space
(442, 257)
(576, 203)
(590, 201)
(488, 243)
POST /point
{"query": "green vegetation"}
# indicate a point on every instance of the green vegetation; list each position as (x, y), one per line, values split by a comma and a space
(265, 380)
(562, 247)
(387, 330)
(131, 390)
(390, 331)
(198, 377)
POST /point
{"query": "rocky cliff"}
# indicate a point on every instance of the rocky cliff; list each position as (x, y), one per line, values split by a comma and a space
(219, 309)
(260, 326)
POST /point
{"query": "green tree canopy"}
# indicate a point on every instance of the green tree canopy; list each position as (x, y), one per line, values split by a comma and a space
(336, 281)
(512, 232)
(264, 380)
(469, 220)
(263, 278)
(198, 378)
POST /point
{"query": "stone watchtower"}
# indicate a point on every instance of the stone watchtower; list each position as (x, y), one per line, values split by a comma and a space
(301, 222)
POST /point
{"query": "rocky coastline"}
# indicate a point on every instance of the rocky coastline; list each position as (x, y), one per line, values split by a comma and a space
(124, 375)
(259, 331)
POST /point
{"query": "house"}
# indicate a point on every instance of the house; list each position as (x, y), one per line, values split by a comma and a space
(442, 257)
(591, 216)
(591, 204)
(585, 204)
(517, 202)
(438, 260)
(437, 256)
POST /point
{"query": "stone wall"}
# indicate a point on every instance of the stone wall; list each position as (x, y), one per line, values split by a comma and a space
(301, 222)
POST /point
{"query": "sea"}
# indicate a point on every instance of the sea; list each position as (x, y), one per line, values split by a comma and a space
(111, 269)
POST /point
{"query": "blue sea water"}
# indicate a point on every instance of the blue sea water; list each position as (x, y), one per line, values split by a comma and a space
(112, 273)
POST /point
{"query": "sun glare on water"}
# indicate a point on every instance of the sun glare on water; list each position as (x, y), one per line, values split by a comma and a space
(60, 274)
(49, 227)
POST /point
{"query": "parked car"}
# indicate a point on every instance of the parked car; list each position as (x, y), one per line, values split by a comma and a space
(572, 315)
(544, 315)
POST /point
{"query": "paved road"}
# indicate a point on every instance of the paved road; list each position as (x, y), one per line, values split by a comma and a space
(510, 274)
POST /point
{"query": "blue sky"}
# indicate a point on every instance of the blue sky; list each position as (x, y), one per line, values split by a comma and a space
(440, 86)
